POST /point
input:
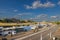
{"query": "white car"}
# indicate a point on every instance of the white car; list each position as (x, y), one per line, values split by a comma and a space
(13, 32)
(33, 27)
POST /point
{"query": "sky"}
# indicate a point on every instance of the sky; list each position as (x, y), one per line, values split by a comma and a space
(30, 9)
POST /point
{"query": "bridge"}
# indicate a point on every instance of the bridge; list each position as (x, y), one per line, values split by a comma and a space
(45, 34)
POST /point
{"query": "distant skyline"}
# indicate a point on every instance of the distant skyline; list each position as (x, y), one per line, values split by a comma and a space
(30, 9)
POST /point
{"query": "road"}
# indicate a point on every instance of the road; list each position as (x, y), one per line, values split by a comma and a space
(41, 35)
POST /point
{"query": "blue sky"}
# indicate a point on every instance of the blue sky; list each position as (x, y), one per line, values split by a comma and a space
(30, 9)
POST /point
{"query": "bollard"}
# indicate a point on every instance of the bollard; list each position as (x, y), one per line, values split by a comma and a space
(41, 37)
(53, 38)
(50, 34)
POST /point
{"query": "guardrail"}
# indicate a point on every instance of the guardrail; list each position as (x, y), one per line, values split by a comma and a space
(41, 35)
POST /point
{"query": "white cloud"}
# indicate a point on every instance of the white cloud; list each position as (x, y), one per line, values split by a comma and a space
(41, 15)
(59, 3)
(23, 14)
(48, 4)
(20, 14)
(53, 16)
(38, 4)
(15, 10)
(31, 18)
(28, 7)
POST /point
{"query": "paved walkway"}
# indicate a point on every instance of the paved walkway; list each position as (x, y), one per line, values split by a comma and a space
(57, 34)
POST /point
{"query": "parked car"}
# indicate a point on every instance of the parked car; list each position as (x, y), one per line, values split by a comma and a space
(27, 28)
(33, 27)
(4, 33)
(1, 31)
(23, 29)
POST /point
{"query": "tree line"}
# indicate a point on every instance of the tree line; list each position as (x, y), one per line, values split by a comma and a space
(56, 22)
(13, 20)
